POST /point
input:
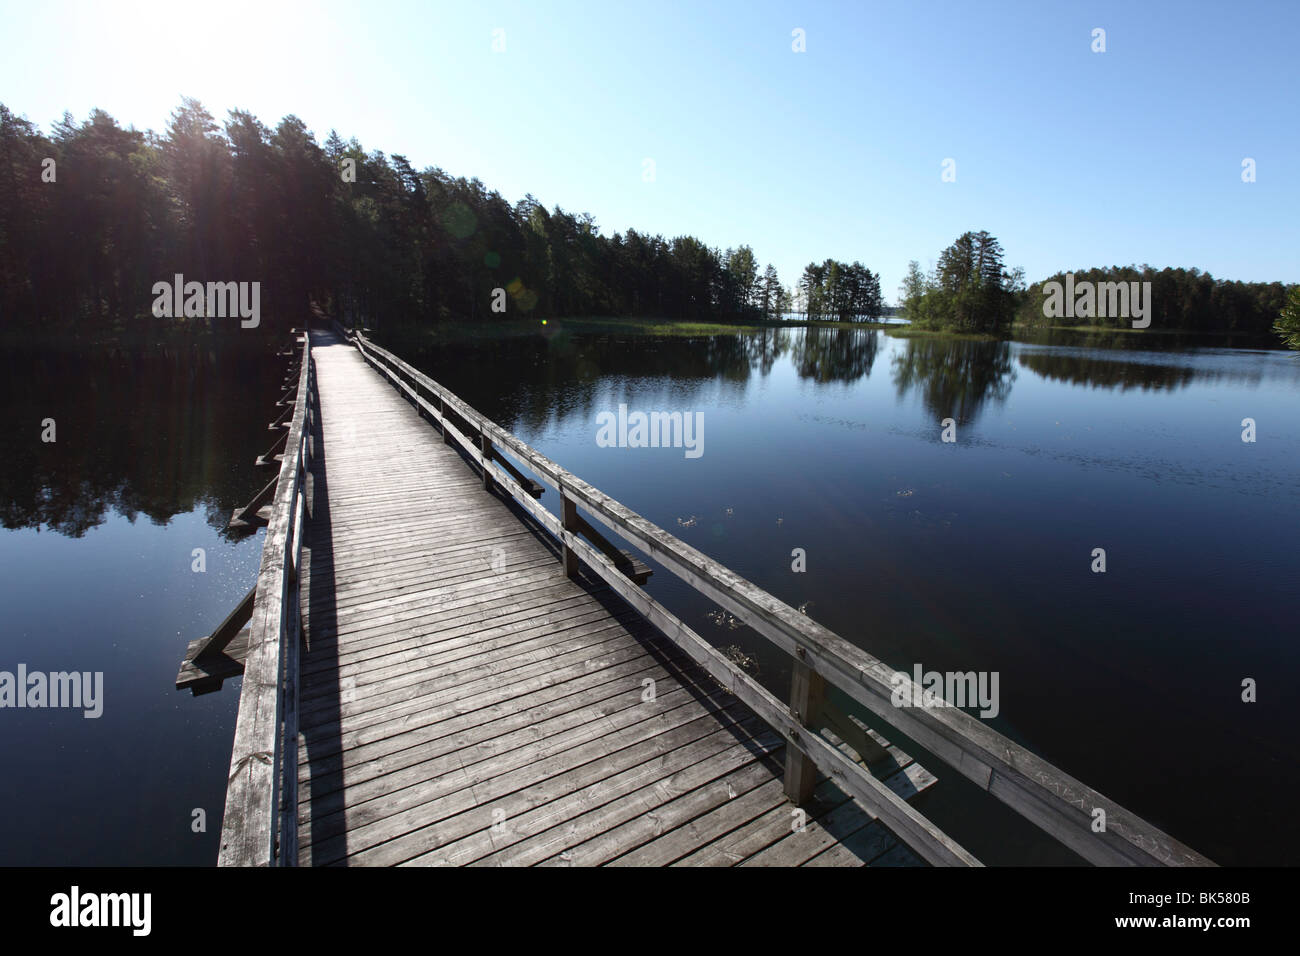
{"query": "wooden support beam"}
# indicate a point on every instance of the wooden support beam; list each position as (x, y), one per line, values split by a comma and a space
(203, 674)
(283, 420)
(807, 689)
(623, 559)
(269, 458)
(849, 731)
(212, 659)
(534, 488)
(250, 513)
(569, 521)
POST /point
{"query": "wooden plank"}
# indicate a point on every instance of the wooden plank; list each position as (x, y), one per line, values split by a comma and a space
(640, 814)
(729, 842)
(726, 795)
(797, 847)
(365, 756)
(627, 795)
(506, 741)
(399, 829)
(421, 782)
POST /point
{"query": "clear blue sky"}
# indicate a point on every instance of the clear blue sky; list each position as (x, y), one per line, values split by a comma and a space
(1072, 158)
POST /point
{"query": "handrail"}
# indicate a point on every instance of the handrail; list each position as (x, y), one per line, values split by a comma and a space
(260, 825)
(1056, 802)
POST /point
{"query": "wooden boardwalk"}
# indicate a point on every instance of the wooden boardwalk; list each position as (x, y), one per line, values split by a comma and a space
(439, 669)
(462, 701)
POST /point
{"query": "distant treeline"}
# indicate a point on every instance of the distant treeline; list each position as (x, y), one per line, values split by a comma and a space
(970, 290)
(94, 215)
(1182, 299)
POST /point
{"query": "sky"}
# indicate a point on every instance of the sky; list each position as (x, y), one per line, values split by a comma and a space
(1073, 158)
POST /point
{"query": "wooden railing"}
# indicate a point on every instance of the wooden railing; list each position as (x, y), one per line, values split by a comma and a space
(1060, 805)
(260, 826)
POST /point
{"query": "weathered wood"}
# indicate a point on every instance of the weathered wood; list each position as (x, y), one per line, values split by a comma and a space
(807, 690)
(270, 457)
(851, 732)
(254, 815)
(623, 559)
(534, 488)
(205, 673)
(500, 734)
(485, 447)
(219, 655)
(252, 514)
(569, 519)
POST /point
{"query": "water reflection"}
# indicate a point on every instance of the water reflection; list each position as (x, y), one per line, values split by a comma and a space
(954, 377)
(1154, 371)
(559, 373)
(836, 355)
(1125, 341)
(1079, 369)
(138, 434)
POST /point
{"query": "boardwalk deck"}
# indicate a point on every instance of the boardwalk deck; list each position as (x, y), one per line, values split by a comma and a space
(462, 701)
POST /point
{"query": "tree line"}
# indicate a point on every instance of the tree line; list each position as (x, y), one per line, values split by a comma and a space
(1184, 299)
(969, 289)
(93, 215)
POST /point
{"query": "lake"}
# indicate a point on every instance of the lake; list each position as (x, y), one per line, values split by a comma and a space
(972, 554)
(98, 574)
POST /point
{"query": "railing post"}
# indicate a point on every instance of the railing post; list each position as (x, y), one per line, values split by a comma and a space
(485, 446)
(569, 521)
(807, 690)
(442, 410)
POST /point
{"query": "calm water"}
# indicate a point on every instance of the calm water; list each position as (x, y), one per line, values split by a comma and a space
(973, 555)
(96, 574)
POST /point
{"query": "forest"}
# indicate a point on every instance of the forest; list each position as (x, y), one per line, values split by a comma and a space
(1182, 299)
(93, 215)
